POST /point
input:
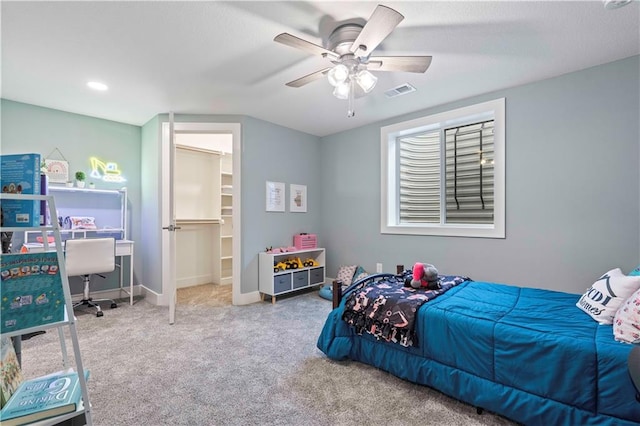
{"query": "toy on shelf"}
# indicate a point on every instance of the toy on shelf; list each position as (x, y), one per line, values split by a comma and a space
(279, 250)
(305, 241)
(310, 263)
(293, 263)
(280, 266)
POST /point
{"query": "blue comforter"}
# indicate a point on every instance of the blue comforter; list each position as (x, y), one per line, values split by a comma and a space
(528, 354)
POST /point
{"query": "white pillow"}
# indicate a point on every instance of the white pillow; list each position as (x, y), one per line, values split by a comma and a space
(626, 324)
(605, 296)
(345, 274)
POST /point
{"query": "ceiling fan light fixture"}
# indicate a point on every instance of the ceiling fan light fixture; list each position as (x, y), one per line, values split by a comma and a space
(349, 47)
(366, 80)
(338, 74)
(342, 90)
(615, 4)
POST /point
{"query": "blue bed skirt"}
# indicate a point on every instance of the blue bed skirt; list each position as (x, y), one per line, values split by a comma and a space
(530, 355)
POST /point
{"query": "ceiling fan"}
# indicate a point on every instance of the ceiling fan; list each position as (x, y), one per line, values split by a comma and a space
(349, 47)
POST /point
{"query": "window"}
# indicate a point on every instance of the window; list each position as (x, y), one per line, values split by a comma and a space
(444, 174)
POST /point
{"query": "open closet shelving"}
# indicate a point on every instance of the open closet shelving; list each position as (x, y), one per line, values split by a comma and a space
(225, 268)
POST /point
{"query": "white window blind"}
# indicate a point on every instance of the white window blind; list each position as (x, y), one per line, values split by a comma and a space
(468, 175)
(420, 178)
(444, 174)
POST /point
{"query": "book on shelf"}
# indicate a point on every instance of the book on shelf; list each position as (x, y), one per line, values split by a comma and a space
(20, 174)
(42, 398)
(32, 292)
(10, 371)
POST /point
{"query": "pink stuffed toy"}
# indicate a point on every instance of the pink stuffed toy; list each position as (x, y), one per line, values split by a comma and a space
(425, 275)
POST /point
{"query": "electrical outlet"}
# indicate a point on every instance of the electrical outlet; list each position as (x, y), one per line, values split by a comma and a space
(378, 267)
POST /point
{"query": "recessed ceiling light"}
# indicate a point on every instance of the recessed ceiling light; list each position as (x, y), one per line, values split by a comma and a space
(97, 86)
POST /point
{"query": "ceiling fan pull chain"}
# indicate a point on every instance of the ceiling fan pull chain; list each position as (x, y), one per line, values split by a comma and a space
(352, 88)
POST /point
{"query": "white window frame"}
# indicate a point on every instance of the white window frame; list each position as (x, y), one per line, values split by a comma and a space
(389, 223)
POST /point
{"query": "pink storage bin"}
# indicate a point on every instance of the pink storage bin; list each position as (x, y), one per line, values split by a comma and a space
(305, 241)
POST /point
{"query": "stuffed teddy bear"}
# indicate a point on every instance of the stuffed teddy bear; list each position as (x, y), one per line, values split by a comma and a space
(425, 275)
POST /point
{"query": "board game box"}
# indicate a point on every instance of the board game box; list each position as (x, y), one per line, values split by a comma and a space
(20, 174)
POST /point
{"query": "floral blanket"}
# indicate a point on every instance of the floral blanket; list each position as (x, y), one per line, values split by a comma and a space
(387, 308)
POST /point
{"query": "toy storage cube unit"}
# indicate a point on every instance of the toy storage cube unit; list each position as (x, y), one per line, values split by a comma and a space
(305, 241)
(277, 283)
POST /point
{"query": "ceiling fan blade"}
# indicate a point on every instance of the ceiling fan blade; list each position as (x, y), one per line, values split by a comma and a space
(399, 63)
(307, 46)
(308, 78)
(378, 27)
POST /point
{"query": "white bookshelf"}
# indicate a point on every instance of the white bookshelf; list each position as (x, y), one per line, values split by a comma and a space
(275, 284)
(68, 319)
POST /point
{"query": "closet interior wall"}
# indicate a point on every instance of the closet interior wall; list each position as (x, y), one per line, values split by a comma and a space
(203, 182)
(197, 209)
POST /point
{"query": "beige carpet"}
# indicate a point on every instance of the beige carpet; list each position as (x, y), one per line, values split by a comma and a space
(254, 365)
(205, 295)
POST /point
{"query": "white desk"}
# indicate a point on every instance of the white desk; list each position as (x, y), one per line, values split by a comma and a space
(123, 248)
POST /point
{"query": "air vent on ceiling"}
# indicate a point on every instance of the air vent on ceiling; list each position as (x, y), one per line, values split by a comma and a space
(400, 90)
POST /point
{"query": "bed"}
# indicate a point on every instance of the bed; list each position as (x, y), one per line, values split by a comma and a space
(527, 354)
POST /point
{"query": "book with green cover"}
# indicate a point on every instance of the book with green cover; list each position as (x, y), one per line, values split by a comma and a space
(42, 398)
(20, 174)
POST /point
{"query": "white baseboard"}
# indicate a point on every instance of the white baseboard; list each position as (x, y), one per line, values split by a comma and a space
(193, 281)
(162, 299)
(153, 297)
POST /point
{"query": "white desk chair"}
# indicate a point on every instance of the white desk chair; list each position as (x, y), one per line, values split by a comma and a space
(90, 256)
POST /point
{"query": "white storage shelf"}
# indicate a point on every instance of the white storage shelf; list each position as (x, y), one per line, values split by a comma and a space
(107, 207)
(223, 251)
(273, 283)
(68, 321)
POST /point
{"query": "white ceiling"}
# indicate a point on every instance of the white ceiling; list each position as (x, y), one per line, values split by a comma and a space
(220, 57)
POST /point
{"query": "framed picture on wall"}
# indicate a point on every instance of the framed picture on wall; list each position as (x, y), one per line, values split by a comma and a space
(298, 198)
(275, 196)
(57, 170)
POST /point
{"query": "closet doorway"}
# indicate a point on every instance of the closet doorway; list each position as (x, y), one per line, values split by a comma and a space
(205, 253)
(203, 188)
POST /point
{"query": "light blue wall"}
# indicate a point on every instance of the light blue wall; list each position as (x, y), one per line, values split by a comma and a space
(150, 242)
(278, 154)
(572, 179)
(269, 152)
(573, 185)
(28, 128)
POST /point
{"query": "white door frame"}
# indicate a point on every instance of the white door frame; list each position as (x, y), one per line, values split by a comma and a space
(235, 129)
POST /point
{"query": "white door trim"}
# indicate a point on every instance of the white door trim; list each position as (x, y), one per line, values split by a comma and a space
(235, 130)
